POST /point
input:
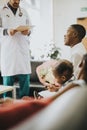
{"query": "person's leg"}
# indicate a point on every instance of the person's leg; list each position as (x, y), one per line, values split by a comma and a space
(24, 82)
(8, 81)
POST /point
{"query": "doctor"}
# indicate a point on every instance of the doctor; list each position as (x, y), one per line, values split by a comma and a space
(15, 58)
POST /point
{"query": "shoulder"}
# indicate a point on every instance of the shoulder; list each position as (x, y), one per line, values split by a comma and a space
(78, 50)
(4, 10)
(5, 7)
(79, 46)
(80, 83)
(23, 10)
(49, 63)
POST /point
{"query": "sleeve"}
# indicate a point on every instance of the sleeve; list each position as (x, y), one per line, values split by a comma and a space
(3, 31)
(28, 22)
(76, 59)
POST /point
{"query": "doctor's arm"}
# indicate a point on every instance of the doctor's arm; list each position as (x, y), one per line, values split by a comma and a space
(26, 32)
(11, 32)
(5, 31)
(28, 23)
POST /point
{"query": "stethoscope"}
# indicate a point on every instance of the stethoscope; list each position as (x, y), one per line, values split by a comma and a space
(20, 12)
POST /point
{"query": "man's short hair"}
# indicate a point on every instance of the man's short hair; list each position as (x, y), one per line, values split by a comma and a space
(80, 30)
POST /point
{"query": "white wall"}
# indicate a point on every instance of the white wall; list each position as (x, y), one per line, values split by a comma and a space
(43, 31)
(65, 13)
(46, 19)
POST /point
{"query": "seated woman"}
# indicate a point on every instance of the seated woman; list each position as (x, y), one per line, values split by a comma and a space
(22, 109)
(63, 71)
(82, 78)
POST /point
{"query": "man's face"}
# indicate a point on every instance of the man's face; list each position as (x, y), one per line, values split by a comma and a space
(15, 3)
(69, 37)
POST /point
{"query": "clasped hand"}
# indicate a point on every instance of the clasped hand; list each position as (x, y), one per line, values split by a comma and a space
(53, 87)
(13, 31)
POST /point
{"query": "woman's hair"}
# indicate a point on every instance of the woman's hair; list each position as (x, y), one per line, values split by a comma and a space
(80, 30)
(64, 68)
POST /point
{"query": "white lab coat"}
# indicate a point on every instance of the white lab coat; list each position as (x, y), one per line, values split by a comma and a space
(15, 58)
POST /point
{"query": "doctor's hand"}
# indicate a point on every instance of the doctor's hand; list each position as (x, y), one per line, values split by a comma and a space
(25, 32)
(12, 32)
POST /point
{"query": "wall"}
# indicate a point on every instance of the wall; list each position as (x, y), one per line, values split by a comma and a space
(46, 18)
(84, 23)
(42, 33)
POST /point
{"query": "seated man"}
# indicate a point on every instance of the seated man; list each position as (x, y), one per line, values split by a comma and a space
(63, 71)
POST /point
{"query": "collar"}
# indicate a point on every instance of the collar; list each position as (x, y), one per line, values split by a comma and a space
(14, 10)
(78, 44)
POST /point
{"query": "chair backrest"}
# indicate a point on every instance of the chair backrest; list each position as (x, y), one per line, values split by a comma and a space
(67, 112)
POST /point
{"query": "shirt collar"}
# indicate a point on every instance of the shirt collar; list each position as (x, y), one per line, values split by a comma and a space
(14, 10)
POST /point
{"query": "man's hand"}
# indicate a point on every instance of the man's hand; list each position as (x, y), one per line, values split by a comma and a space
(26, 32)
(12, 32)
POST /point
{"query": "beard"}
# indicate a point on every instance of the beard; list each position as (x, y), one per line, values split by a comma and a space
(15, 5)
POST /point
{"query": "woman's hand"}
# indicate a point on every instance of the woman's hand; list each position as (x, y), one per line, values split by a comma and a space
(53, 87)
